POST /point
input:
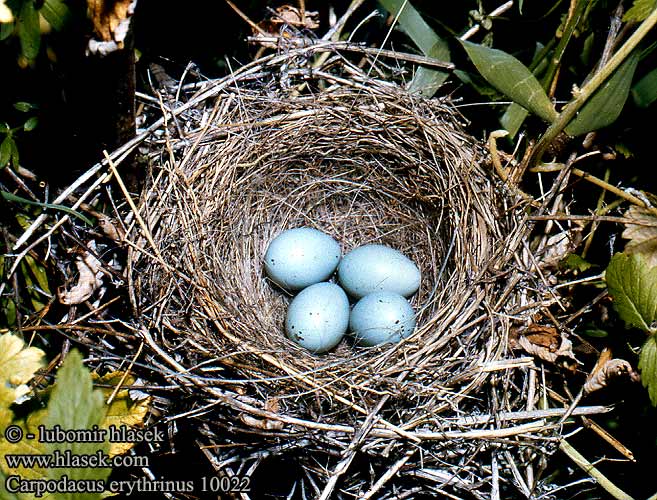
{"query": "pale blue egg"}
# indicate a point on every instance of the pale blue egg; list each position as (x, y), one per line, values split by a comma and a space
(301, 257)
(378, 268)
(381, 317)
(318, 317)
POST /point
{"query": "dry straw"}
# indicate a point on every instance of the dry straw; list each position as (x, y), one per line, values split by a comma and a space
(276, 145)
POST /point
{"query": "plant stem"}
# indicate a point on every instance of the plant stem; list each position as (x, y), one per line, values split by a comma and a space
(567, 34)
(588, 467)
(571, 109)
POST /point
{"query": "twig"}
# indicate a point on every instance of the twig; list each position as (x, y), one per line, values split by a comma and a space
(334, 32)
(620, 447)
(552, 73)
(125, 375)
(246, 19)
(329, 47)
(556, 167)
(594, 218)
(389, 474)
(588, 467)
(497, 12)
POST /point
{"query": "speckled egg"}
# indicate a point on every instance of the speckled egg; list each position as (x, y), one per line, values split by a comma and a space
(318, 317)
(301, 257)
(378, 268)
(381, 317)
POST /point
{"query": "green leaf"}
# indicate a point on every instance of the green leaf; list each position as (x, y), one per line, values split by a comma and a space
(14, 156)
(29, 32)
(648, 367)
(4, 493)
(12, 197)
(426, 81)
(56, 13)
(6, 148)
(607, 102)
(6, 29)
(512, 78)
(633, 286)
(596, 333)
(640, 10)
(574, 262)
(30, 124)
(513, 118)
(477, 83)
(24, 107)
(74, 404)
(644, 91)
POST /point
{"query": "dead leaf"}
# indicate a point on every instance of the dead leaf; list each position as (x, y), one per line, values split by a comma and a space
(111, 23)
(560, 245)
(290, 16)
(643, 239)
(606, 368)
(90, 279)
(546, 343)
(110, 228)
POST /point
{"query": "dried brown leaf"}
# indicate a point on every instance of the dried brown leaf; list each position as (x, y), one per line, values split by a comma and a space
(546, 343)
(605, 369)
(110, 228)
(90, 279)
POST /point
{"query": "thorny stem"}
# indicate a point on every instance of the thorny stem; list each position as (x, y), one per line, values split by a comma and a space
(571, 109)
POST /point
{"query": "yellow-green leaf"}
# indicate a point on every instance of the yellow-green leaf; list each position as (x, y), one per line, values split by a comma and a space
(512, 78)
(18, 365)
(607, 102)
(56, 13)
(640, 10)
(6, 149)
(633, 286)
(74, 404)
(648, 367)
(26, 447)
(4, 494)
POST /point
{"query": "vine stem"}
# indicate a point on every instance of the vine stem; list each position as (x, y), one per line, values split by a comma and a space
(568, 112)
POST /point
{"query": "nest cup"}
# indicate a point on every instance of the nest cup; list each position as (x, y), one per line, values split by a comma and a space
(365, 162)
(364, 166)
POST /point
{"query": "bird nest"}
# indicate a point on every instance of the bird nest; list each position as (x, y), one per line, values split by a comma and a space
(277, 145)
(365, 162)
